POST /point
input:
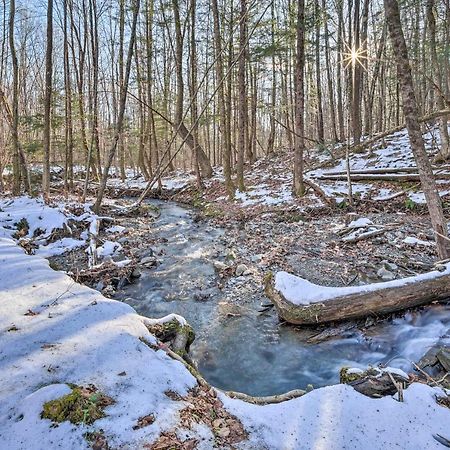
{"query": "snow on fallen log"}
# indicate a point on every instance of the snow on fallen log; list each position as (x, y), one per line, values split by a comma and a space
(301, 302)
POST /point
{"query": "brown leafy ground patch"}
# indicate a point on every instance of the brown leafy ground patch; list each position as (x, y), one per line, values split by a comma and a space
(97, 440)
(169, 440)
(204, 407)
(444, 401)
(144, 421)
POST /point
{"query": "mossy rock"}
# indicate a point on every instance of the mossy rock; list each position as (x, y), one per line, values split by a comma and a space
(169, 330)
(348, 378)
(83, 405)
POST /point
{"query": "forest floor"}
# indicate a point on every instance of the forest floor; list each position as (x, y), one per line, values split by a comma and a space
(385, 235)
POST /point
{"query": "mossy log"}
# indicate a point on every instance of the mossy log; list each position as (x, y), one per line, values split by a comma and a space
(374, 302)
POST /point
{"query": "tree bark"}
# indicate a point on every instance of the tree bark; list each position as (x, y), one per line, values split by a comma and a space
(385, 300)
(48, 100)
(242, 87)
(299, 186)
(68, 132)
(226, 153)
(411, 113)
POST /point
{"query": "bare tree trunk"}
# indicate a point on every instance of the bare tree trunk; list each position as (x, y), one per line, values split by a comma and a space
(226, 153)
(271, 139)
(121, 75)
(242, 87)
(142, 125)
(340, 48)
(15, 102)
(356, 81)
(48, 100)
(299, 187)
(68, 163)
(193, 93)
(320, 126)
(123, 101)
(411, 113)
(329, 76)
(203, 159)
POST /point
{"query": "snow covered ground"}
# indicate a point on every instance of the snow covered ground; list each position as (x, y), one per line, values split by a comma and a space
(269, 181)
(54, 331)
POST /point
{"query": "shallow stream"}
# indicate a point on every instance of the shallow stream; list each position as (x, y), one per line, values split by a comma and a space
(253, 353)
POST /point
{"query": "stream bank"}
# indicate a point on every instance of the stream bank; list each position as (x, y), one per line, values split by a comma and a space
(237, 347)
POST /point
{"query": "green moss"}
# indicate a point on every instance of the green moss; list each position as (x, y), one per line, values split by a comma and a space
(54, 265)
(167, 331)
(267, 283)
(82, 405)
(347, 378)
(308, 313)
(189, 332)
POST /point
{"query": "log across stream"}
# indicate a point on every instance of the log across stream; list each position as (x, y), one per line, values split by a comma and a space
(254, 353)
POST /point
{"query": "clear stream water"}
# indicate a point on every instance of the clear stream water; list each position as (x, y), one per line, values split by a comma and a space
(253, 353)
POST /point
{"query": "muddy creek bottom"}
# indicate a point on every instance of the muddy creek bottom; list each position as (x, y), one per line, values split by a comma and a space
(252, 352)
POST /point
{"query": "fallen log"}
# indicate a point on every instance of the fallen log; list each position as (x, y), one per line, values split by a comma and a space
(320, 192)
(383, 170)
(300, 302)
(380, 177)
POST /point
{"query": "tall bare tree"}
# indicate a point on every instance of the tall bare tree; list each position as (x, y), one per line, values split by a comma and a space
(411, 113)
(299, 187)
(48, 100)
(123, 101)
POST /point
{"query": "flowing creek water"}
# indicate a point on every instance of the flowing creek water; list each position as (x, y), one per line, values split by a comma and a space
(253, 353)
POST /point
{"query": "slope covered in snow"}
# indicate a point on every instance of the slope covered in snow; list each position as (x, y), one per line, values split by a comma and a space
(55, 331)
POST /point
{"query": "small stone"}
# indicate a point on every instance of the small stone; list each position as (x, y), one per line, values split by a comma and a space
(136, 273)
(385, 275)
(391, 266)
(223, 432)
(220, 266)
(256, 258)
(241, 269)
(149, 261)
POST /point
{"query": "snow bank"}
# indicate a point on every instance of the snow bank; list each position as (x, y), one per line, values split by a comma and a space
(61, 332)
(337, 417)
(302, 292)
(39, 216)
